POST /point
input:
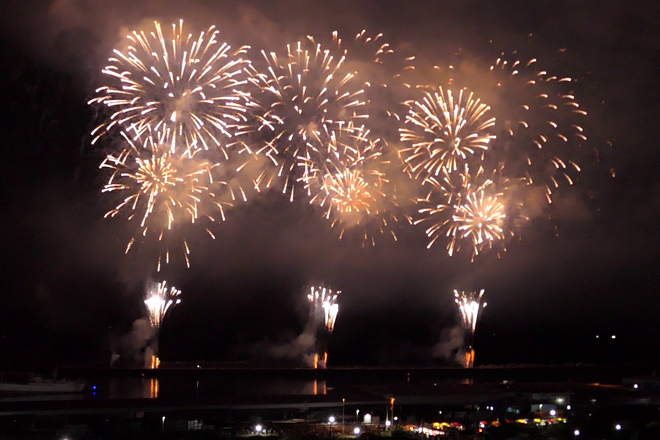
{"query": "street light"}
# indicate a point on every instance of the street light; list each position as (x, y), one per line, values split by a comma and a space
(553, 412)
(331, 419)
(343, 413)
(356, 431)
(357, 415)
(258, 429)
(388, 423)
(617, 427)
(576, 432)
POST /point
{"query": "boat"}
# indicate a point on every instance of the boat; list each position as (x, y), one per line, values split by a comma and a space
(37, 384)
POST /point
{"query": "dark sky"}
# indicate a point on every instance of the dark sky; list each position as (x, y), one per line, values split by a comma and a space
(66, 279)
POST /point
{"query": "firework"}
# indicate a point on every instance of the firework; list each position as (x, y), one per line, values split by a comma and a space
(161, 191)
(444, 132)
(324, 307)
(539, 125)
(544, 123)
(351, 183)
(184, 87)
(464, 207)
(158, 300)
(469, 306)
(307, 91)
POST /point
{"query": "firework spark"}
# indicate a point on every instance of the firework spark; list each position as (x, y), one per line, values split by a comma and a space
(324, 307)
(158, 300)
(187, 88)
(444, 131)
(161, 191)
(306, 92)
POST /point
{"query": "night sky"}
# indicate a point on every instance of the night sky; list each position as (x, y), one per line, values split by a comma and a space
(69, 293)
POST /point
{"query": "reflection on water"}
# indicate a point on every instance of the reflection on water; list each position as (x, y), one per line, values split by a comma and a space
(320, 388)
(193, 387)
(153, 388)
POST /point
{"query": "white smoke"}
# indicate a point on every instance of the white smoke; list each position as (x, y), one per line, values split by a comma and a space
(451, 345)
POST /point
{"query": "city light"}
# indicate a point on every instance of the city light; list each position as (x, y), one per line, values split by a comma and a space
(576, 432)
(635, 386)
(258, 428)
(568, 407)
(331, 419)
(553, 412)
(388, 423)
(617, 427)
(356, 431)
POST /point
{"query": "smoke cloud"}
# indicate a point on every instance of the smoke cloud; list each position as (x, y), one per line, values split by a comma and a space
(451, 346)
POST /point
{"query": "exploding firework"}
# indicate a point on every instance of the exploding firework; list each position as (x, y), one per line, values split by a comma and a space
(302, 94)
(184, 87)
(351, 184)
(469, 306)
(162, 191)
(158, 300)
(444, 132)
(324, 307)
(464, 207)
(539, 125)
(543, 124)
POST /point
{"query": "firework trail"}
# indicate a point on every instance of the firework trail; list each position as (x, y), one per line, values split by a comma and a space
(351, 185)
(464, 207)
(158, 300)
(301, 94)
(161, 192)
(469, 305)
(186, 88)
(444, 131)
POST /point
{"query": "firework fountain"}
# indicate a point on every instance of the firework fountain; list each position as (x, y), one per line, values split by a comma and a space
(158, 300)
(323, 313)
(469, 305)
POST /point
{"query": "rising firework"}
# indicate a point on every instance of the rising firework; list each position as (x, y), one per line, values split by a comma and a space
(184, 87)
(302, 94)
(351, 184)
(469, 306)
(444, 131)
(464, 207)
(158, 300)
(162, 191)
(323, 307)
(323, 314)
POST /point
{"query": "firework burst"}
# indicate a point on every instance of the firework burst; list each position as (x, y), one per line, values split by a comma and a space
(464, 207)
(184, 87)
(304, 93)
(351, 184)
(543, 124)
(539, 125)
(444, 131)
(158, 300)
(161, 192)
